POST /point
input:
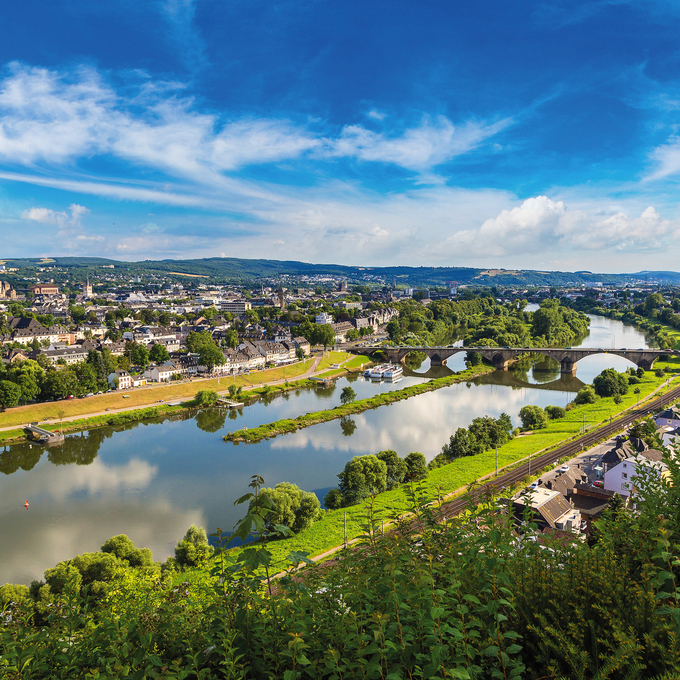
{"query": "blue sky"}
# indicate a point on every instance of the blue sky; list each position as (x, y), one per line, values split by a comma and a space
(486, 133)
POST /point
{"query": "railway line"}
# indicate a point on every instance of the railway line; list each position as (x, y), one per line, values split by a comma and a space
(572, 448)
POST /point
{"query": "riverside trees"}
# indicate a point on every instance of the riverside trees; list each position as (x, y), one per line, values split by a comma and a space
(483, 321)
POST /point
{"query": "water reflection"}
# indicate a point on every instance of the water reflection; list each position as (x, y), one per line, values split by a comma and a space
(211, 419)
(152, 480)
(348, 426)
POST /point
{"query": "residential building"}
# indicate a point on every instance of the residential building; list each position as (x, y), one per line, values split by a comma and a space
(621, 477)
(324, 318)
(549, 509)
(124, 379)
(162, 373)
(669, 418)
(303, 344)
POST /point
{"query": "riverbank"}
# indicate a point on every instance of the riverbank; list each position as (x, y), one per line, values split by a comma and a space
(276, 381)
(288, 425)
(454, 478)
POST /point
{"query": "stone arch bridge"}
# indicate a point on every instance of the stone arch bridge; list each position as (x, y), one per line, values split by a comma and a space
(500, 357)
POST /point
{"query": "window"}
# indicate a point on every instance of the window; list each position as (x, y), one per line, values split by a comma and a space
(625, 465)
(624, 475)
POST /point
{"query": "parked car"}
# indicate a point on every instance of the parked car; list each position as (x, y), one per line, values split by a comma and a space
(564, 468)
(598, 483)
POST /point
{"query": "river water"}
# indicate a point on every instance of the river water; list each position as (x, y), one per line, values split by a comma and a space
(152, 480)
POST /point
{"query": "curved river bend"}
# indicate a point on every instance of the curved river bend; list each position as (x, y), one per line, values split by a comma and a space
(154, 479)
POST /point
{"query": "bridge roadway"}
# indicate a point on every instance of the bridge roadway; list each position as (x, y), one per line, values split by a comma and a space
(500, 357)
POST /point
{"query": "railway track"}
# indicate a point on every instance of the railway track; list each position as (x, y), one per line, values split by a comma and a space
(571, 448)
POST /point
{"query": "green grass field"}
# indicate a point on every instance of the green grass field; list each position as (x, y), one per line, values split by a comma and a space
(328, 532)
(149, 395)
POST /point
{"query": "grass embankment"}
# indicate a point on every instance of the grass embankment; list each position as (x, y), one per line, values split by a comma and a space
(108, 420)
(145, 396)
(288, 425)
(328, 532)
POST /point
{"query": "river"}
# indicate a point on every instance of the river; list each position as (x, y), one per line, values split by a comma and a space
(152, 480)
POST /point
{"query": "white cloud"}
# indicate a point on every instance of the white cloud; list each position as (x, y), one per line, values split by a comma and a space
(69, 227)
(57, 118)
(541, 224)
(666, 158)
(420, 148)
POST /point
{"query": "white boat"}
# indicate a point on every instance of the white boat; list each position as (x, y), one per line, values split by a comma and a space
(393, 372)
(385, 372)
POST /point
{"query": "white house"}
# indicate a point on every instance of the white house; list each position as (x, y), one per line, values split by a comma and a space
(124, 380)
(621, 477)
(668, 418)
(162, 373)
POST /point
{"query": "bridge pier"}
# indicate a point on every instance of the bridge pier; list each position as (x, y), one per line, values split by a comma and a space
(646, 364)
(567, 367)
(500, 363)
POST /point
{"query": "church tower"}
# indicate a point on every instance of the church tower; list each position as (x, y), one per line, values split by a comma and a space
(87, 288)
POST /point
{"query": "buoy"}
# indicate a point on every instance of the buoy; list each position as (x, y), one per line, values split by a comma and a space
(26, 505)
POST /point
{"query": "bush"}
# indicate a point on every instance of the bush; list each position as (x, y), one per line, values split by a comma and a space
(533, 417)
(294, 508)
(586, 395)
(555, 412)
(193, 550)
(659, 373)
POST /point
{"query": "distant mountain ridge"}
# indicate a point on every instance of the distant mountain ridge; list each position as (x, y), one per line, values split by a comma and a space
(237, 269)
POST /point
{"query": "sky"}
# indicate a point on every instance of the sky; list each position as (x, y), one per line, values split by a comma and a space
(526, 134)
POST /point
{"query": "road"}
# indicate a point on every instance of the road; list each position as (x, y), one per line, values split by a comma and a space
(172, 402)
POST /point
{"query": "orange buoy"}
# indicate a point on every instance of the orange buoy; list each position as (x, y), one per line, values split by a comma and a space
(26, 505)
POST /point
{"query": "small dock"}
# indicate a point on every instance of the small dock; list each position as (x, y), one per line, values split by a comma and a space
(322, 382)
(42, 435)
(230, 404)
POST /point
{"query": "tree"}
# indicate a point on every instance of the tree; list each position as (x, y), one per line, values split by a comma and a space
(210, 355)
(555, 412)
(197, 340)
(334, 499)
(533, 417)
(139, 355)
(87, 378)
(124, 549)
(10, 394)
(348, 395)
(206, 398)
(586, 395)
(610, 383)
(231, 339)
(159, 353)
(461, 443)
(396, 467)
(416, 465)
(325, 335)
(293, 507)
(193, 550)
(362, 476)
